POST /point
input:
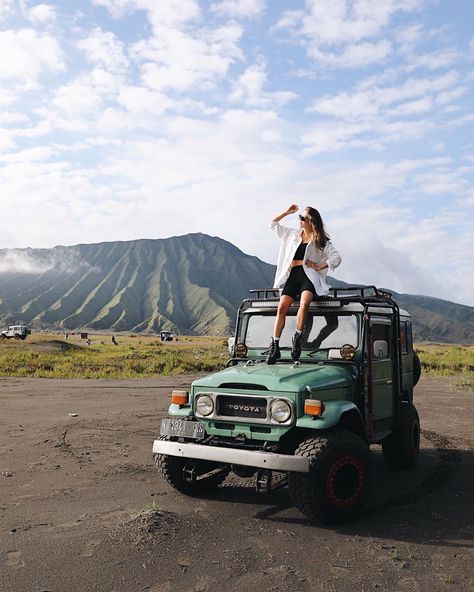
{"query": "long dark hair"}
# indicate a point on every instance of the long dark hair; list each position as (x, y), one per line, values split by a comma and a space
(320, 236)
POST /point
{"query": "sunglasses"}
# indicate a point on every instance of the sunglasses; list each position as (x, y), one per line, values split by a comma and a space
(302, 218)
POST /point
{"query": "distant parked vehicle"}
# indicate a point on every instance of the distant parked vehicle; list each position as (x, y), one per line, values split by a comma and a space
(166, 336)
(20, 331)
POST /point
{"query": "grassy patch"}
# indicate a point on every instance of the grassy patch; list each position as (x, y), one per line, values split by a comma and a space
(49, 356)
(447, 360)
(138, 356)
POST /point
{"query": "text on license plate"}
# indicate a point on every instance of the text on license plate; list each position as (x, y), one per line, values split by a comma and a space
(183, 429)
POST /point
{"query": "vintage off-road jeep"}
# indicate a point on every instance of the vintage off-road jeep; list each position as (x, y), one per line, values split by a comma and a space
(18, 331)
(312, 421)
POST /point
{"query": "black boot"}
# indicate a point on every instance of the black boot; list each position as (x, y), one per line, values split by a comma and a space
(273, 352)
(296, 346)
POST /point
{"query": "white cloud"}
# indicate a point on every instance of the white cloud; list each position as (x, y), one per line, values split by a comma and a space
(6, 97)
(143, 102)
(7, 7)
(20, 261)
(343, 33)
(103, 48)
(86, 93)
(11, 117)
(162, 13)
(249, 89)
(445, 97)
(6, 140)
(239, 8)
(180, 61)
(375, 100)
(25, 55)
(353, 56)
(434, 60)
(42, 13)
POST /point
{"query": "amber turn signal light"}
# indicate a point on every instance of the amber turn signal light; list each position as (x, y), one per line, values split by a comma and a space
(180, 397)
(313, 407)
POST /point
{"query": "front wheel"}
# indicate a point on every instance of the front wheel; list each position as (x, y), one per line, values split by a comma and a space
(208, 474)
(340, 477)
(401, 448)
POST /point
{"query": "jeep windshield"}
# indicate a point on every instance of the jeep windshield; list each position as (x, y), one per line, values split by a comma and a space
(321, 332)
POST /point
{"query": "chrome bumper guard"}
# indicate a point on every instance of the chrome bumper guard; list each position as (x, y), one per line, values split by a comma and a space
(233, 456)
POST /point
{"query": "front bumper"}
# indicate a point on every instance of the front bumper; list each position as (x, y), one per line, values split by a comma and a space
(232, 456)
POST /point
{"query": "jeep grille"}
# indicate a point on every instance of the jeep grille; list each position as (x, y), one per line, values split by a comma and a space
(249, 407)
(252, 409)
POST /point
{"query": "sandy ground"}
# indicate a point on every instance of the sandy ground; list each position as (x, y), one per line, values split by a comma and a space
(82, 507)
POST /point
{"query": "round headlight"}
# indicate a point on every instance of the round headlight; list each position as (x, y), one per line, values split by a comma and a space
(204, 405)
(240, 350)
(347, 351)
(280, 411)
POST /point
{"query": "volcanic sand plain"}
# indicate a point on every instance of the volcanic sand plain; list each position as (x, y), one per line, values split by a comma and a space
(82, 507)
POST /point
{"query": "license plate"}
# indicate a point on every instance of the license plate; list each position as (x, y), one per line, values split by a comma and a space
(182, 429)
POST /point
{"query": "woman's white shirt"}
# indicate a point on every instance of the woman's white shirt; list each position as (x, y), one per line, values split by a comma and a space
(290, 241)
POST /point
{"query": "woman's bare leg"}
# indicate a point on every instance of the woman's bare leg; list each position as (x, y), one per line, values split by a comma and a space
(305, 301)
(283, 306)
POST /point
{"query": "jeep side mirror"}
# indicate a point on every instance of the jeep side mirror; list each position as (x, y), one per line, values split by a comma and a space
(380, 349)
(230, 344)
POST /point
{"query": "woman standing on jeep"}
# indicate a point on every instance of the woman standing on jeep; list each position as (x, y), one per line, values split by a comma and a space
(303, 262)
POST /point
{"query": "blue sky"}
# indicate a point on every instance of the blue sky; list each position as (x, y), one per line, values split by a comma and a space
(125, 119)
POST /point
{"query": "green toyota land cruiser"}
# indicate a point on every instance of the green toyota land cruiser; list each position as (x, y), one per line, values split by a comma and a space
(308, 424)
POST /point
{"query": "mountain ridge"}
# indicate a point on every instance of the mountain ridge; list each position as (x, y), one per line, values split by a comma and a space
(188, 284)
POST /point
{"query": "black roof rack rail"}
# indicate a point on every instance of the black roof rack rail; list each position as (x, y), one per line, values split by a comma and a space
(363, 294)
(265, 293)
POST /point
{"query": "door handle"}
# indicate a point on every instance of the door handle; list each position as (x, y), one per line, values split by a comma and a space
(389, 381)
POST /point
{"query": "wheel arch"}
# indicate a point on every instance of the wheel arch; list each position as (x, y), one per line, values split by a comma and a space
(351, 421)
(337, 414)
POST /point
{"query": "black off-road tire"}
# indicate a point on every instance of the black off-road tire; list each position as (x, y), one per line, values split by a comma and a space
(171, 469)
(416, 368)
(340, 477)
(401, 448)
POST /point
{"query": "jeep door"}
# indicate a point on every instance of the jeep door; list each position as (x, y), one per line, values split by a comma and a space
(381, 356)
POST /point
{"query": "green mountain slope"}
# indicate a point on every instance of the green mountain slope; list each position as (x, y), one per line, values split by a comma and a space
(189, 284)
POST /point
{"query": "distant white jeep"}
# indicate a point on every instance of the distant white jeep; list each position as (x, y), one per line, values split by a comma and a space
(16, 332)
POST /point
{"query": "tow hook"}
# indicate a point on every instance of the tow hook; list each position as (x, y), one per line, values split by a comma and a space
(264, 481)
(189, 473)
(267, 481)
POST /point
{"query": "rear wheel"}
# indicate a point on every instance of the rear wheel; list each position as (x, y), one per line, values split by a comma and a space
(402, 447)
(340, 477)
(208, 475)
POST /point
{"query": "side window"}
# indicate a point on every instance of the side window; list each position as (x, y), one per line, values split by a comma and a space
(403, 337)
(381, 333)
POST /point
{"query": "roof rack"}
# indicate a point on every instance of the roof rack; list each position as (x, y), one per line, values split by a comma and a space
(265, 293)
(359, 292)
(364, 294)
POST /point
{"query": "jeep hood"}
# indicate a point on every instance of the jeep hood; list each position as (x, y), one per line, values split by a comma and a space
(280, 377)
